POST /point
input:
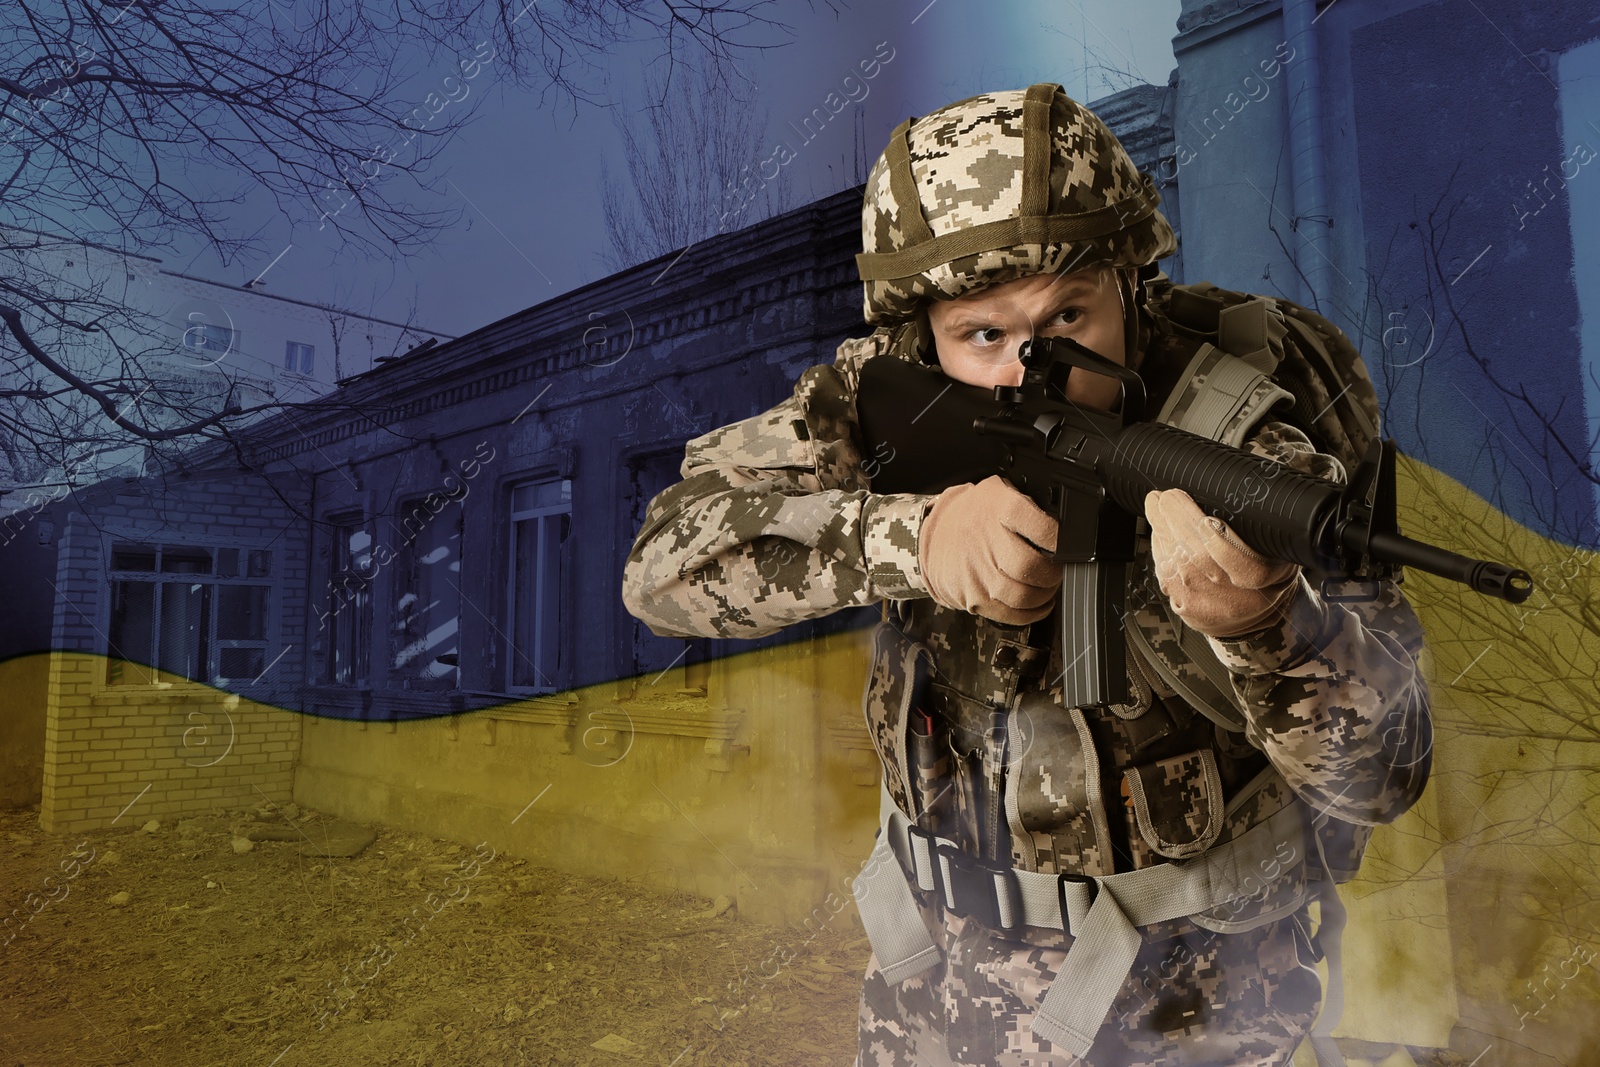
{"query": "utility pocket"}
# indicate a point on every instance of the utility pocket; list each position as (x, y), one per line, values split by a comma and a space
(1177, 803)
(1052, 790)
(930, 760)
(895, 686)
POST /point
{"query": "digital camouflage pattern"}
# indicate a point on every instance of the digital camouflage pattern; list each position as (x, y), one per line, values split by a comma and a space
(898, 674)
(774, 522)
(967, 166)
(1177, 803)
(1194, 998)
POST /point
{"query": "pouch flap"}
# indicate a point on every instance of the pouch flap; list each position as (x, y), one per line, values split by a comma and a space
(1052, 790)
(1178, 803)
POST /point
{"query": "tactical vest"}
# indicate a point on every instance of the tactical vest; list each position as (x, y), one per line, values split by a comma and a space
(978, 757)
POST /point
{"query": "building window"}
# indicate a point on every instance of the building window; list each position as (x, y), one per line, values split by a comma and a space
(299, 358)
(195, 612)
(347, 615)
(207, 337)
(425, 617)
(541, 519)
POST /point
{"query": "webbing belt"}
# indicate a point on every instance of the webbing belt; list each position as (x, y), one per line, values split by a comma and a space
(1101, 913)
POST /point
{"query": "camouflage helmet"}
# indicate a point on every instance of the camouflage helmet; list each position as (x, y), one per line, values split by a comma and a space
(995, 187)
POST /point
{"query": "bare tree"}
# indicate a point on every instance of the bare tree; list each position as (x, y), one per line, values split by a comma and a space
(135, 125)
(338, 326)
(1517, 746)
(694, 161)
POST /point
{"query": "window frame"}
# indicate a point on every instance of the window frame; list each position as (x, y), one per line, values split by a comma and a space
(514, 515)
(299, 358)
(270, 644)
(359, 614)
(228, 343)
(405, 568)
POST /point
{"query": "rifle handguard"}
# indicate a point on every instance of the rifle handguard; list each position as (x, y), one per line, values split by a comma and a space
(943, 433)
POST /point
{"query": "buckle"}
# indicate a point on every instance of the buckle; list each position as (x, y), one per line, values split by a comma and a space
(1061, 895)
(971, 887)
(905, 853)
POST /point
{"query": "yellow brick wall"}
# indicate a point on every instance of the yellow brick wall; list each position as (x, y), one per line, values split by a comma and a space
(126, 754)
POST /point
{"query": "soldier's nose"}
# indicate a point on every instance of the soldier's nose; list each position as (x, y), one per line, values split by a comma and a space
(1014, 369)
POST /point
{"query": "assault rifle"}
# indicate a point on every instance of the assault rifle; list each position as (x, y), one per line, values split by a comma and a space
(1090, 470)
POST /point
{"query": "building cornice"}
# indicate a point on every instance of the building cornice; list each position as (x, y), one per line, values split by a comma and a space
(1203, 22)
(797, 247)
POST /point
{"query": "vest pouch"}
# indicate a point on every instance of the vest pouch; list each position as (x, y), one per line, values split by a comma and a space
(1053, 801)
(1177, 803)
(1279, 886)
(896, 684)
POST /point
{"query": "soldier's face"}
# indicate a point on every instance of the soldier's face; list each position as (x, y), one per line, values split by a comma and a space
(978, 336)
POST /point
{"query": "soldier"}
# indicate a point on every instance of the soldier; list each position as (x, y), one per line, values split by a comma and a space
(1121, 884)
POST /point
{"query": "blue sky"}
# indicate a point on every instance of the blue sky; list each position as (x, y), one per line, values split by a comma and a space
(528, 175)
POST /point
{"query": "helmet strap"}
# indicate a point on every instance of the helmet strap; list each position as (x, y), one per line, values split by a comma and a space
(1130, 293)
(912, 339)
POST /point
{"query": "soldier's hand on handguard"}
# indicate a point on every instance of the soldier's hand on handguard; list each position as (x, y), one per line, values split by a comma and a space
(1218, 584)
(986, 549)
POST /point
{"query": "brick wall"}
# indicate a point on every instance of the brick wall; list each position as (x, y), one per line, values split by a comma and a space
(168, 746)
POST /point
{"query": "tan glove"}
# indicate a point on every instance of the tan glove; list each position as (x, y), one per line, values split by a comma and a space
(1216, 583)
(986, 548)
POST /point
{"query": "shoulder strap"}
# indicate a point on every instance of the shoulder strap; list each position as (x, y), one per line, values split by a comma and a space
(1257, 344)
(1221, 396)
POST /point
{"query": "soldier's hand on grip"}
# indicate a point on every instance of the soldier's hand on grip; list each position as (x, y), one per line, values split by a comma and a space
(986, 549)
(1218, 584)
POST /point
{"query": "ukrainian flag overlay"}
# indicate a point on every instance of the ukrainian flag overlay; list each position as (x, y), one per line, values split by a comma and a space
(386, 605)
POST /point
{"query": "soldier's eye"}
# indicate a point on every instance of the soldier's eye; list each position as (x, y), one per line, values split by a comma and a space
(981, 338)
(1067, 317)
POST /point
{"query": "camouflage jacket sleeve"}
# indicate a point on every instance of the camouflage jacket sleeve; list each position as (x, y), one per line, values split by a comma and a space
(1333, 694)
(774, 521)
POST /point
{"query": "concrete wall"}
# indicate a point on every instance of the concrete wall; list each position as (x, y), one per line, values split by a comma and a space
(762, 789)
(262, 320)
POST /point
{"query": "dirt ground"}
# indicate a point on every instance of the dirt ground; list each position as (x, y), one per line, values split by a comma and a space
(191, 945)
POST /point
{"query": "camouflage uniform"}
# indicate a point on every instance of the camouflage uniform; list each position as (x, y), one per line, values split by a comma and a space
(775, 522)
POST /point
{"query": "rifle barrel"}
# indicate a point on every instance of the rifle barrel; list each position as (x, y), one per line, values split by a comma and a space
(1492, 579)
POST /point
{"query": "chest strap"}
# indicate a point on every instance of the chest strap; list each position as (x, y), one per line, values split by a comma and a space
(1101, 913)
